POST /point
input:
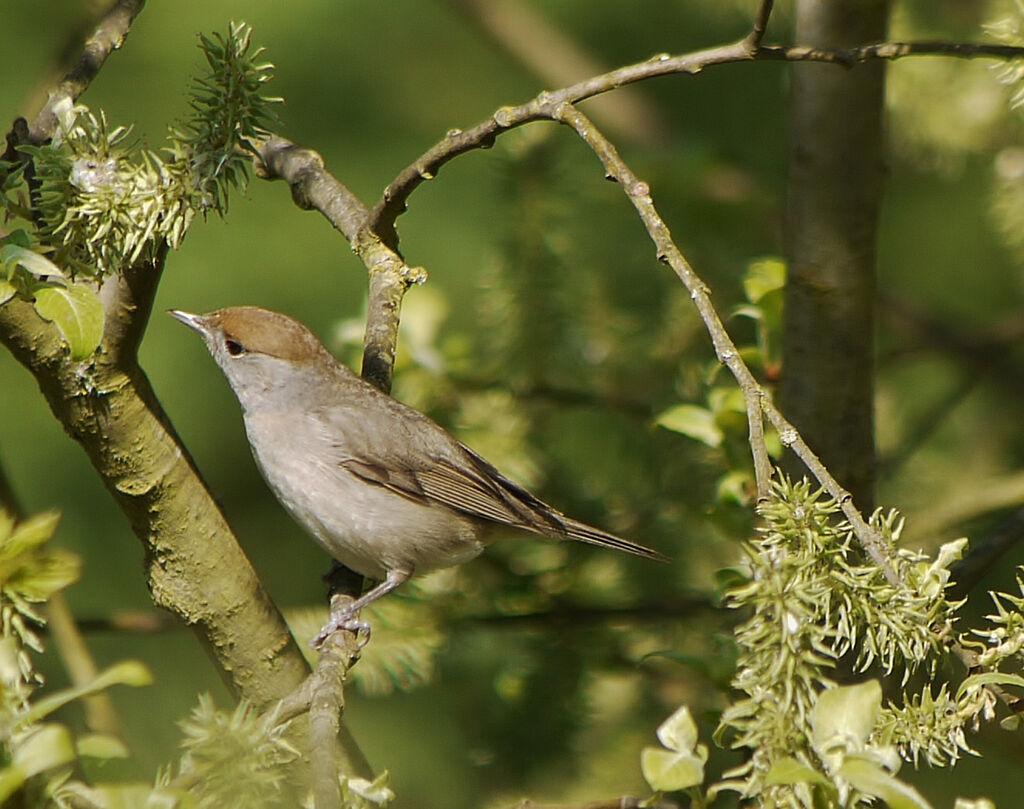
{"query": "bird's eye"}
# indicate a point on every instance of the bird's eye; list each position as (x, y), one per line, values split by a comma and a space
(234, 347)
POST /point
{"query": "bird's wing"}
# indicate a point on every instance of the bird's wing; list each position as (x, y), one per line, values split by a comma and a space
(434, 467)
(469, 488)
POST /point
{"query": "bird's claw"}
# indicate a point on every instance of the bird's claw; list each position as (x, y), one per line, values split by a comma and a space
(344, 621)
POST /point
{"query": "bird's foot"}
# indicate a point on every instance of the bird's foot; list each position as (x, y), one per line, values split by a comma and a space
(346, 620)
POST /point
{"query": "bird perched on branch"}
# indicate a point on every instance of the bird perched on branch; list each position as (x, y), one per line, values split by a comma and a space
(384, 489)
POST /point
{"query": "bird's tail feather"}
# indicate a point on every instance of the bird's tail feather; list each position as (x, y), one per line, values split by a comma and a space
(595, 536)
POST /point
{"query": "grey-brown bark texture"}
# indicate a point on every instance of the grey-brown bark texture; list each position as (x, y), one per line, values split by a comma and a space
(836, 175)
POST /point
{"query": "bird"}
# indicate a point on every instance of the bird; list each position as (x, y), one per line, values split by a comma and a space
(383, 488)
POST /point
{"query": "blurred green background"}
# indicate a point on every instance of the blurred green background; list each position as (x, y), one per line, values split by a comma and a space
(549, 337)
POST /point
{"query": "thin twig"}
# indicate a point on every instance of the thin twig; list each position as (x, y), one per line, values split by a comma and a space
(313, 187)
(524, 32)
(327, 703)
(759, 450)
(483, 134)
(107, 38)
(144, 622)
(639, 195)
(764, 13)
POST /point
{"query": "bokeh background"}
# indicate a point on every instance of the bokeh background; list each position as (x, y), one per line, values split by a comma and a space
(550, 338)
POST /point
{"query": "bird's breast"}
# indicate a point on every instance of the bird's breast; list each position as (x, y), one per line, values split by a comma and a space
(366, 527)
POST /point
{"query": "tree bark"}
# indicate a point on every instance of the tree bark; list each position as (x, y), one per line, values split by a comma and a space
(195, 567)
(836, 175)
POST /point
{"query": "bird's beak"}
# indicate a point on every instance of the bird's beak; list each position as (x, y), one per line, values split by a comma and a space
(196, 322)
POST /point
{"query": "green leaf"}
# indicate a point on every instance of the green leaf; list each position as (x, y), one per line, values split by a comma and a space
(733, 487)
(791, 771)
(666, 771)
(679, 732)
(727, 399)
(127, 672)
(692, 421)
(763, 277)
(77, 312)
(976, 803)
(100, 745)
(7, 290)
(682, 765)
(19, 237)
(11, 778)
(746, 310)
(870, 778)
(48, 746)
(847, 713)
(37, 265)
(989, 678)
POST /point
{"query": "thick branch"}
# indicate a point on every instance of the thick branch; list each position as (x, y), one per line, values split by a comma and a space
(108, 407)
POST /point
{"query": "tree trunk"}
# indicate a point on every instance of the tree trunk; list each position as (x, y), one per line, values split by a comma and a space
(835, 190)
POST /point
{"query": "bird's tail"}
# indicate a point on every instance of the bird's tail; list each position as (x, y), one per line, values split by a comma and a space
(595, 536)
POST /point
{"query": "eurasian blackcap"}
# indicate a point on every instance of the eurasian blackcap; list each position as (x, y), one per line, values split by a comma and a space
(384, 489)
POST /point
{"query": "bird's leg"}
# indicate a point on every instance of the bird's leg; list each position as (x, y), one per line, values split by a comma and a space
(345, 615)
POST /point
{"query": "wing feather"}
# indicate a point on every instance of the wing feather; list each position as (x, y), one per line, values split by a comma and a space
(434, 468)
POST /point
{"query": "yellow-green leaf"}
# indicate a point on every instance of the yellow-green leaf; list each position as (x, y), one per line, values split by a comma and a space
(679, 731)
(764, 276)
(29, 534)
(37, 265)
(75, 310)
(696, 422)
(666, 771)
(845, 713)
(101, 745)
(791, 771)
(989, 678)
(127, 672)
(7, 290)
(872, 779)
(48, 746)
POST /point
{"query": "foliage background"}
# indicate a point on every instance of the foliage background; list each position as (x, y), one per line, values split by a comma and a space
(542, 279)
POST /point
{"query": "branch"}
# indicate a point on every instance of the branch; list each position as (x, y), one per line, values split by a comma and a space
(483, 134)
(313, 187)
(764, 13)
(328, 759)
(108, 406)
(576, 616)
(849, 57)
(555, 58)
(755, 396)
(108, 37)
